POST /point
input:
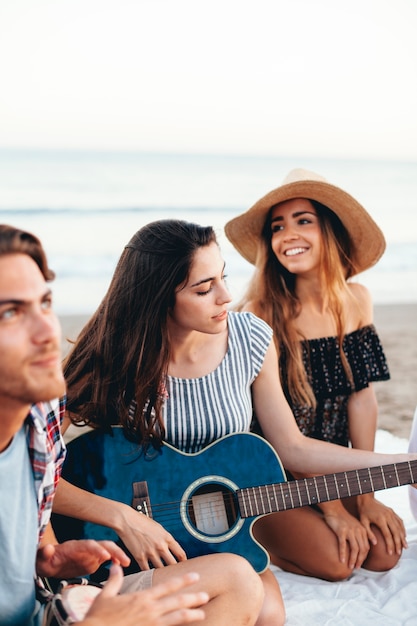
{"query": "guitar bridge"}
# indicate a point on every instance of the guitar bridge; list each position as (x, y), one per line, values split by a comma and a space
(140, 500)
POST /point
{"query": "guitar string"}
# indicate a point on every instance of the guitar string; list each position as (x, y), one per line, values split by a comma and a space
(250, 496)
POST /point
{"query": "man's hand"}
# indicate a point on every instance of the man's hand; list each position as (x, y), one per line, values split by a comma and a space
(162, 605)
(77, 557)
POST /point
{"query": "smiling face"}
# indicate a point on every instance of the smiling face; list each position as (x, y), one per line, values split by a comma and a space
(201, 304)
(296, 237)
(30, 353)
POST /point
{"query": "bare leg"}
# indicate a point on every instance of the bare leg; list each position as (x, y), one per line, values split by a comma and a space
(301, 542)
(273, 611)
(235, 589)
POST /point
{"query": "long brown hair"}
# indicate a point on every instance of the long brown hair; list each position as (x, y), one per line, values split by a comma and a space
(117, 368)
(271, 292)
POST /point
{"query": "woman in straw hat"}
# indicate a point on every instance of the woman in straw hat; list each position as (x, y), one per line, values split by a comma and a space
(307, 238)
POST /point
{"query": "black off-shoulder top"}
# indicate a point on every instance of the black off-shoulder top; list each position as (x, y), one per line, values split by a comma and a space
(331, 387)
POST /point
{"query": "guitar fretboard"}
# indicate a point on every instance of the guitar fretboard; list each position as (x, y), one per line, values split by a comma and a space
(265, 499)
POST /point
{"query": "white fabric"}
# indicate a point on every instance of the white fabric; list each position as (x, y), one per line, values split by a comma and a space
(367, 598)
(137, 582)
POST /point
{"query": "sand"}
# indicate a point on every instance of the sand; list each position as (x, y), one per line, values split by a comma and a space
(397, 398)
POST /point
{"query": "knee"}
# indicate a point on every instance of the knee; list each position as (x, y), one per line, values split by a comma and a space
(380, 560)
(338, 574)
(334, 571)
(273, 610)
(272, 614)
(241, 579)
(377, 561)
(239, 571)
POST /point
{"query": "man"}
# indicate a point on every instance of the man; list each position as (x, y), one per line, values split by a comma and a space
(31, 454)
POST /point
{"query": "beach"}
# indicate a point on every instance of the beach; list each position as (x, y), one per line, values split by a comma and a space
(397, 397)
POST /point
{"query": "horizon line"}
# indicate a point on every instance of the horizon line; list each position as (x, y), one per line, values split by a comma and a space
(198, 154)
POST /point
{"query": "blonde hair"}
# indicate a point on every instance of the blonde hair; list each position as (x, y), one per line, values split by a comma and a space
(272, 295)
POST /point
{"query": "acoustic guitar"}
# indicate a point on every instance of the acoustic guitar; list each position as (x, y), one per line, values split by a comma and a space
(210, 500)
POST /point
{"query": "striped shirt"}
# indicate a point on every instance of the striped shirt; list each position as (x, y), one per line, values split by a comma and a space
(199, 411)
(46, 453)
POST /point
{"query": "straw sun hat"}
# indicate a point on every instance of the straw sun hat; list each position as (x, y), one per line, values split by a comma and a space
(366, 238)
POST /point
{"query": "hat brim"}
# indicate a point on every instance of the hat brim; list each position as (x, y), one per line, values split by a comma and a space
(367, 239)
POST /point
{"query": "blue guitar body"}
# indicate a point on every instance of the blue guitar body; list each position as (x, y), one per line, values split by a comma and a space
(192, 495)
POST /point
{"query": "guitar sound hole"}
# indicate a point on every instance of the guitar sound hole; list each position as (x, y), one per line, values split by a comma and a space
(212, 509)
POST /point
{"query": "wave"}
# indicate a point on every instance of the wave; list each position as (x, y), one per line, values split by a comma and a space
(80, 211)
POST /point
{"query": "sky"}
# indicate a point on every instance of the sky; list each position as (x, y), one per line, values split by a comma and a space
(324, 78)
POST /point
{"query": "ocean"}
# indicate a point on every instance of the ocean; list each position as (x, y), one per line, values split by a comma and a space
(85, 206)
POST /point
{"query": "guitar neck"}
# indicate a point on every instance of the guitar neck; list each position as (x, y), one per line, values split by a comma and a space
(265, 499)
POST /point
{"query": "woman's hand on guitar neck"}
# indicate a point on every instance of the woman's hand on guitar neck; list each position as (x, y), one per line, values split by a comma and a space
(147, 541)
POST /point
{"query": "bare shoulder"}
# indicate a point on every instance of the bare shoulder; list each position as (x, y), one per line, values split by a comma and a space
(364, 305)
(252, 307)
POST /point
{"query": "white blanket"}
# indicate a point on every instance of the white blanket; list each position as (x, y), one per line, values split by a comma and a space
(377, 599)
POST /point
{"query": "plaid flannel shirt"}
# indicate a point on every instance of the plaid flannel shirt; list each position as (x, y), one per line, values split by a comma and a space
(47, 453)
